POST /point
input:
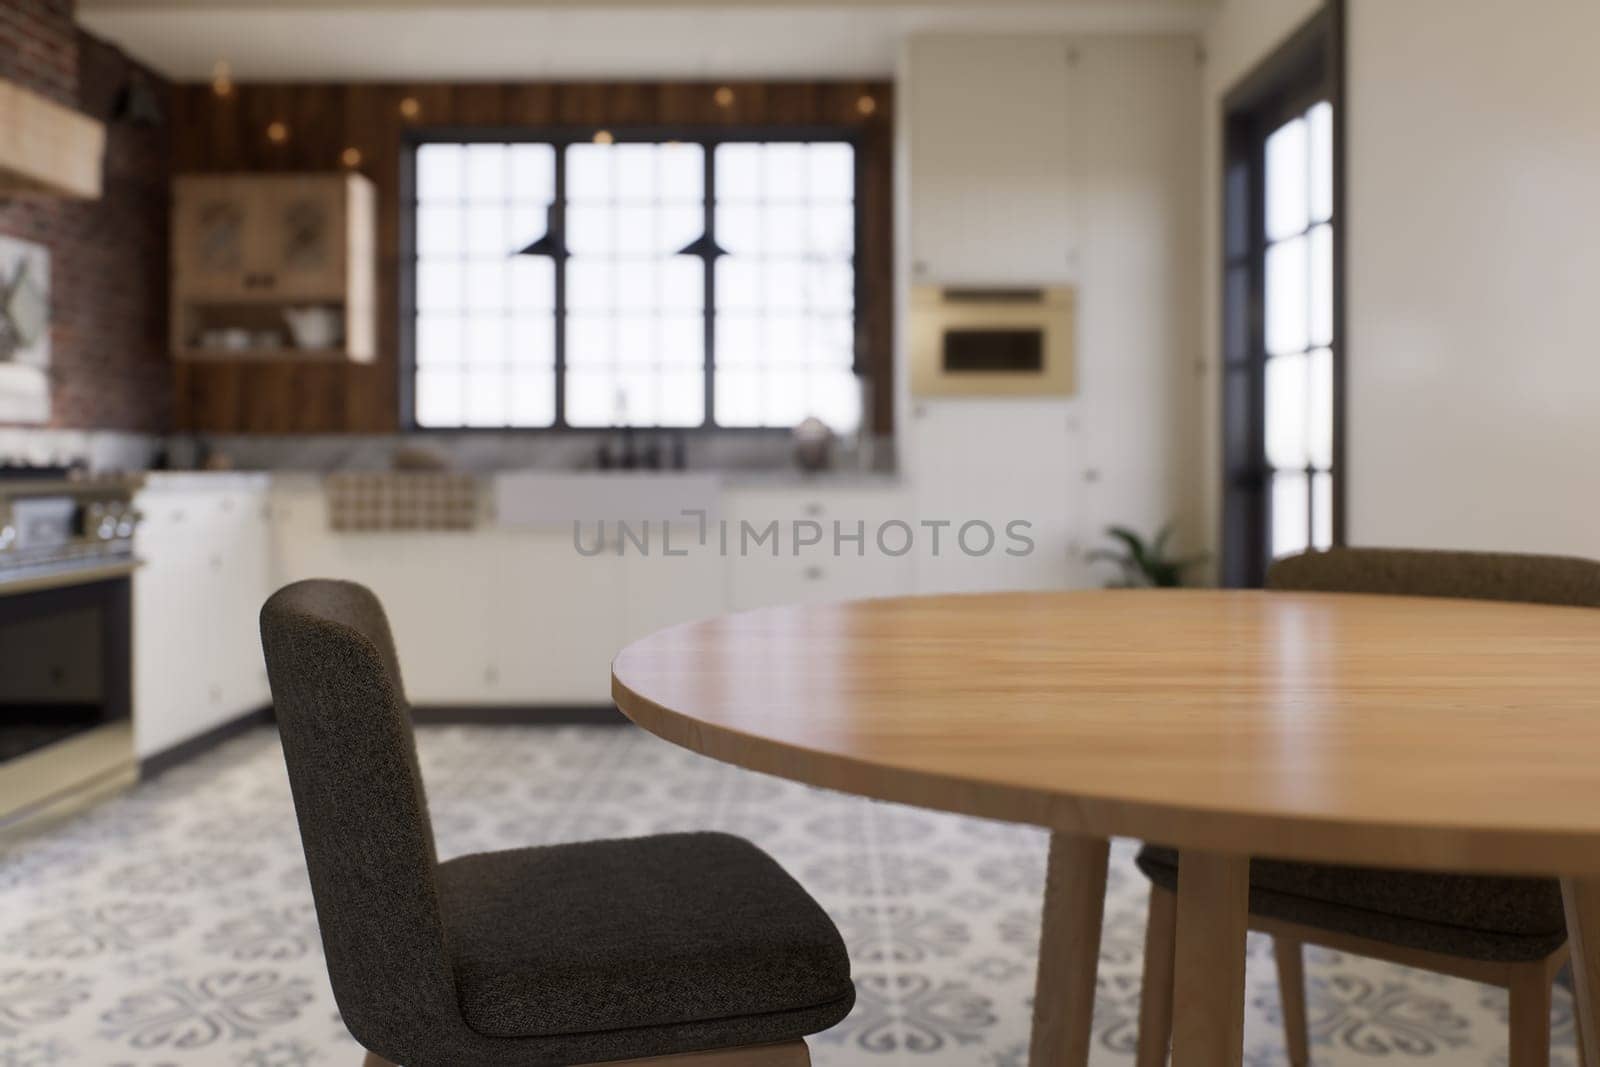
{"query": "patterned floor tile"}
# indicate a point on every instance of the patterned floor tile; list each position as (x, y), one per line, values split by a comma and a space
(173, 926)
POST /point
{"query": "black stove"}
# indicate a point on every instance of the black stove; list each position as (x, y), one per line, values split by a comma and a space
(62, 518)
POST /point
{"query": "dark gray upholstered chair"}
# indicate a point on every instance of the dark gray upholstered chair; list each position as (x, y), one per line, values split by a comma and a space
(1509, 932)
(694, 948)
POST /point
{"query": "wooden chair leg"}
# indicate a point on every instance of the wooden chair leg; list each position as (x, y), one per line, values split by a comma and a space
(1290, 955)
(375, 1060)
(1582, 900)
(1529, 984)
(1155, 993)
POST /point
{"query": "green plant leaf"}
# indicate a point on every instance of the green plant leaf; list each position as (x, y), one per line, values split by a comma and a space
(1135, 543)
(1158, 549)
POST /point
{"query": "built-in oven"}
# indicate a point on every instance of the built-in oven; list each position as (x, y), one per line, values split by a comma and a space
(64, 663)
(969, 341)
(66, 572)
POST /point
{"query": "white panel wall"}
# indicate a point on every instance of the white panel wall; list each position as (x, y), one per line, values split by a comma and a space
(1474, 200)
(1037, 160)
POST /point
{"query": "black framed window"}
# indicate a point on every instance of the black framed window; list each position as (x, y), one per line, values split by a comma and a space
(1282, 306)
(643, 278)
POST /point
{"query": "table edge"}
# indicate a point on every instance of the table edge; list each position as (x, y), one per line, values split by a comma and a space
(1280, 836)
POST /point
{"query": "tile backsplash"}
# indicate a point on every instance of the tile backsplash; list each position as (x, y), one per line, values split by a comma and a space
(483, 452)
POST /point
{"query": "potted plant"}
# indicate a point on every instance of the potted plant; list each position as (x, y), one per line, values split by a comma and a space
(1144, 564)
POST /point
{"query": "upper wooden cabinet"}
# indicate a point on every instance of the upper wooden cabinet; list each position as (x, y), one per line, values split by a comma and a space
(251, 253)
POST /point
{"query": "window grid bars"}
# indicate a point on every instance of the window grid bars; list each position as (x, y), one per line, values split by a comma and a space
(709, 142)
(1311, 471)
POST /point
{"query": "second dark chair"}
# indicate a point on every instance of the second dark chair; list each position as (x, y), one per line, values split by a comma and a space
(684, 950)
(1509, 932)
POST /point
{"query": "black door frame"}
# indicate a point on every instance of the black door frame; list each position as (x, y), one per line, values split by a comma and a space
(1308, 67)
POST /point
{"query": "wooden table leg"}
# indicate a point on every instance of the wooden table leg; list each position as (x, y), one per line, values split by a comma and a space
(1582, 899)
(1069, 951)
(1208, 986)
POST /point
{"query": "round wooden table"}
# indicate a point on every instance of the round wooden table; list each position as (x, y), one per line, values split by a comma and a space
(1422, 733)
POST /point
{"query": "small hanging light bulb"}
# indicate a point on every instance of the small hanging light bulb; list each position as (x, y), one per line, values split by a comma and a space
(866, 105)
(277, 131)
(351, 157)
(410, 108)
(604, 137)
(222, 78)
(723, 96)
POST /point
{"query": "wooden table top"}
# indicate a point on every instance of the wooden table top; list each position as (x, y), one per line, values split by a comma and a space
(1385, 730)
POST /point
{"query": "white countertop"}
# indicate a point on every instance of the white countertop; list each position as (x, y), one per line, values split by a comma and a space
(205, 481)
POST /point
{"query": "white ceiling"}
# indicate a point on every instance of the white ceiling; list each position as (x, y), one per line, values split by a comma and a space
(412, 40)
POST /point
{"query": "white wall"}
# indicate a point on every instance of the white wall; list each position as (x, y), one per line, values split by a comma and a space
(1041, 160)
(1474, 274)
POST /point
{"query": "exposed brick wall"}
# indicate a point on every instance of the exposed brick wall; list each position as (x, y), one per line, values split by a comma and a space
(108, 270)
(40, 47)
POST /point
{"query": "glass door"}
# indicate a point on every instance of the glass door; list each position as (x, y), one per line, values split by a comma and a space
(1298, 380)
(1281, 307)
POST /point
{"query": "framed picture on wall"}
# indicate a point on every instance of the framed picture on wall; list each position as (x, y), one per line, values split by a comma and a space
(24, 331)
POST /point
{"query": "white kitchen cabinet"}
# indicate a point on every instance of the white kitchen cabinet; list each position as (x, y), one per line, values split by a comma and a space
(556, 619)
(1026, 472)
(197, 653)
(434, 586)
(491, 616)
(559, 616)
(758, 576)
(986, 130)
(434, 592)
(664, 590)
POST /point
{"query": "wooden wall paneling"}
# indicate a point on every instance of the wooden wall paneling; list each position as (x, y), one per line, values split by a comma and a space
(225, 130)
(530, 105)
(581, 104)
(319, 396)
(268, 397)
(477, 105)
(678, 104)
(631, 104)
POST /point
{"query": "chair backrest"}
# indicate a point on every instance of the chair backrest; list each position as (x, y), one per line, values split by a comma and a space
(1419, 572)
(358, 795)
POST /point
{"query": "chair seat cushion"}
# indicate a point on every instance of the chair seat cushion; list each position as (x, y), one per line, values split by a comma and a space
(701, 933)
(1478, 917)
